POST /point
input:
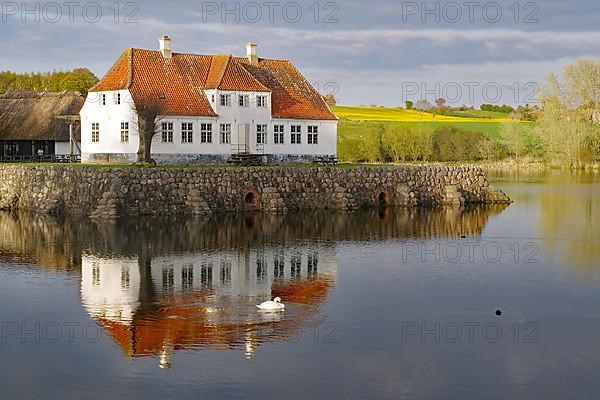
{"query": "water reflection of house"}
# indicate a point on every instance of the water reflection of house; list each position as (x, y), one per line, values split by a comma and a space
(206, 300)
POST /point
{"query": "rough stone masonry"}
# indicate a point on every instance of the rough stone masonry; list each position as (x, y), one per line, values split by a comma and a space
(108, 193)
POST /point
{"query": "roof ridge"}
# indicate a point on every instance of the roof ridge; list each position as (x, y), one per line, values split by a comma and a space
(130, 52)
(225, 67)
(127, 53)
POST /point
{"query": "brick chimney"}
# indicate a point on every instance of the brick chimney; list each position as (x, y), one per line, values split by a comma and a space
(165, 46)
(251, 53)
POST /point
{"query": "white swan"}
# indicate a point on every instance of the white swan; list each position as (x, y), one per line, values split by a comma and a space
(276, 304)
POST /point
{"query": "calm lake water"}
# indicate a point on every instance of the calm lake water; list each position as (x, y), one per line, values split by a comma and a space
(379, 304)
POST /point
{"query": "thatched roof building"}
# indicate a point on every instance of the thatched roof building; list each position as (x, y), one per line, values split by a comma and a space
(29, 115)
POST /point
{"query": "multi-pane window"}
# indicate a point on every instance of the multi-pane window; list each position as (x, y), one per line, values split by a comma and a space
(278, 267)
(95, 274)
(313, 265)
(118, 98)
(225, 273)
(167, 132)
(168, 279)
(206, 275)
(260, 268)
(261, 101)
(125, 278)
(95, 132)
(225, 133)
(187, 132)
(124, 132)
(261, 134)
(296, 266)
(103, 99)
(187, 277)
(296, 134)
(313, 135)
(278, 131)
(226, 100)
(244, 100)
(212, 98)
(205, 133)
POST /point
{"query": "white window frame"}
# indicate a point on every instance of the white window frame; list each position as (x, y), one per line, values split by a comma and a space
(261, 101)
(261, 134)
(244, 100)
(296, 134)
(187, 132)
(225, 133)
(95, 132)
(313, 134)
(118, 98)
(225, 100)
(278, 134)
(103, 99)
(206, 133)
(167, 132)
(124, 132)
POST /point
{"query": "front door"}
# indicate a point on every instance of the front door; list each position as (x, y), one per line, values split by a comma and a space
(243, 139)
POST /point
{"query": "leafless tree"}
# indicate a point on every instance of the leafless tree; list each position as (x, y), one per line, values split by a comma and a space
(148, 125)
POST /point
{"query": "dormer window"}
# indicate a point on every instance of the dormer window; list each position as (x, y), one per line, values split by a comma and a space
(212, 98)
(244, 100)
(226, 100)
(261, 101)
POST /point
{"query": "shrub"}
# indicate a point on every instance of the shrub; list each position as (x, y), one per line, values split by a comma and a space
(453, 144)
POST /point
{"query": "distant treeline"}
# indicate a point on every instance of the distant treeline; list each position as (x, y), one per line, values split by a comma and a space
(79, 79)
(497, 108)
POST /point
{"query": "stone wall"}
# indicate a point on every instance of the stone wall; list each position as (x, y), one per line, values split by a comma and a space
(106, 193)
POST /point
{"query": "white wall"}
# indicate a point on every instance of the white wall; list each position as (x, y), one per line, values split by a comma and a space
(196, 147)
(110, 117)
(104, 294)
(245, 280)
(327, 138)
(64, 148)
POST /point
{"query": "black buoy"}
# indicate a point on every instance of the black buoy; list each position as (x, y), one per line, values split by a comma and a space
(498, 313)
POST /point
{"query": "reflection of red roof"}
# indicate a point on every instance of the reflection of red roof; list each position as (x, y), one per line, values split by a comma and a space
(303, 292)
(175, 86)
(186, 328)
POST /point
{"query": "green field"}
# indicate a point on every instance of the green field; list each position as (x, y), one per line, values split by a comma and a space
(355, 122)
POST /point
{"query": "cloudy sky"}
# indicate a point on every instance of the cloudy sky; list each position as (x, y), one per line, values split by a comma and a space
(366, 52)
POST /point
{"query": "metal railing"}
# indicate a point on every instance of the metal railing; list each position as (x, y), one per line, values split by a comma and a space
(55, 158)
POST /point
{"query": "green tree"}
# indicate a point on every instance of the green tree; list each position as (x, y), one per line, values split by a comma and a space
(371, 146)
(565, 124)
(80, 80)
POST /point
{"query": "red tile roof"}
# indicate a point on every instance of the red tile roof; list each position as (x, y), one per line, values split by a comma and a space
(175, 86)
(228, 74)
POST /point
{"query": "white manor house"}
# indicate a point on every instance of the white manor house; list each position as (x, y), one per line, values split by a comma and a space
(209, 109)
